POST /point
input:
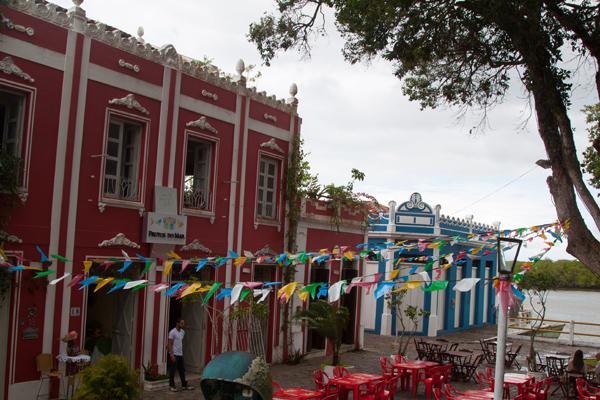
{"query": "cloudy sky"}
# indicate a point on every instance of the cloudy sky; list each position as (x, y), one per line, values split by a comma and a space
(356, 116)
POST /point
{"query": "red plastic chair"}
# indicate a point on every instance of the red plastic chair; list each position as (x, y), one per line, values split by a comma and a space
(485, 383)
(404, 376)
(531, 392)
(331, 397)
(324, 385)
(390, 388)
(585, 391)
(447, 373)
(386, 368)
(432, 378)
(338, 372)
(438, 394)
(373, 393)
(399, 359)
(451, 392)
(276, 386)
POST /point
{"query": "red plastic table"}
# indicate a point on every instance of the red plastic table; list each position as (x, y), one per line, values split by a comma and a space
(354, 382)
(479, 394)
(302, 394)
(519, 380)
(413, 367)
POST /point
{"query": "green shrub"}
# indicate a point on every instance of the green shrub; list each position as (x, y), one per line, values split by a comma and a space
(111, 378)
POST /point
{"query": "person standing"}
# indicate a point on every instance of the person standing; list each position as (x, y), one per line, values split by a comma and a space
(175, 348)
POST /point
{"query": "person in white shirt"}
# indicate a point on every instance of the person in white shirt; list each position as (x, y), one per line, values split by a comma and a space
(175, 348)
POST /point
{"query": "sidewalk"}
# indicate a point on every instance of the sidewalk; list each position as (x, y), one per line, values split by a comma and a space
(367, 361)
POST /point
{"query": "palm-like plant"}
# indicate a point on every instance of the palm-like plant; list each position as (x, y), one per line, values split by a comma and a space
(329, 320)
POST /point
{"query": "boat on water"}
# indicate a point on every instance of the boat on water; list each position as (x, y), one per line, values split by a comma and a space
(521, 324)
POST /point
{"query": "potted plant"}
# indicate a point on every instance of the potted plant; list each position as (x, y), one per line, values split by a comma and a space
(328, 320)
(110, 378)
(412, 313)
(152, 379)
(537, 285)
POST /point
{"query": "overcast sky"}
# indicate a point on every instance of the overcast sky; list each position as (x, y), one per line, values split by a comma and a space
(355, 116)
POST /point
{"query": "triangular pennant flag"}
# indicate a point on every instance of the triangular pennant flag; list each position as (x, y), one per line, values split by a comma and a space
(214, 287)
(118, 285)
(173, 289)
(235, 292)
(184, 264)
(335, 290)
(61, 258)
(44, 258)
(87, 282)
(436, 285)
(201, 263)
(383, 288)
(126, 265)
(55, 281)
(168, 266)
(132, 284)
(43, 273)
(74, 281)
(86, 266)
(466, 284)
(104, 282)
(148, 264)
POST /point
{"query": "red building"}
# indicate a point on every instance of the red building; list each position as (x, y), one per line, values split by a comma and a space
(129, 149)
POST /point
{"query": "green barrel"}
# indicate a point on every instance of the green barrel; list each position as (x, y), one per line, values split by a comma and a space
(237, 375)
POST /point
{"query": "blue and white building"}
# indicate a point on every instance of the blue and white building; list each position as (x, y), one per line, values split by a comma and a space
(451, 310)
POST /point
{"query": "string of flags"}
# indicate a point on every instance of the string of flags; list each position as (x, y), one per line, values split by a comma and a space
(550, 233)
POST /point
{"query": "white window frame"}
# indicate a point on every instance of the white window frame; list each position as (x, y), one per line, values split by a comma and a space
(137, 167)
(211, 176)
(260, 218)
(25, 128)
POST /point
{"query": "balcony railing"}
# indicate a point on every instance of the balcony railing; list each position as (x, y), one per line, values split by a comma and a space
(122, 188)
(197, 199)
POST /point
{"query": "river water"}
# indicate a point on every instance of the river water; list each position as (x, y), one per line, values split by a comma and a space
(578, 306)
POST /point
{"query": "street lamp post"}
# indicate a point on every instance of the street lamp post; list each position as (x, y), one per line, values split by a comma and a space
(504, 275)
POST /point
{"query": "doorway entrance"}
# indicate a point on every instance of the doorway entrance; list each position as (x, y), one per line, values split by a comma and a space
(349, 301)
(318, 274)
(111, 317)
(194, 316)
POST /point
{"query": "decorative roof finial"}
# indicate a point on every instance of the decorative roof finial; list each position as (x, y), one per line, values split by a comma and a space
(294, 90)
(77, 2)
(240, 66)
(140, 33)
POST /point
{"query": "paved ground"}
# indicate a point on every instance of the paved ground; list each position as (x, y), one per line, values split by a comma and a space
(367, 360)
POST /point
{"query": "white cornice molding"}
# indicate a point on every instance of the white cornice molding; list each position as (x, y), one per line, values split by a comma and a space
(166, 55)
(130, 102)
(119, 240)
(202, 124)
(195, 245)
(272, 145)
(8, 66)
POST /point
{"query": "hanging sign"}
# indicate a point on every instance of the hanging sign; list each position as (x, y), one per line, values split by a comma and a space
(164, 228)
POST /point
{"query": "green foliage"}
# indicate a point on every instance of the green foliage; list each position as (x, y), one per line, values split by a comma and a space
(207, 63)
(570, 274)
(6, 281)
(328, 320)
(242, 310)
(464, 53)
(151, 373)
(591, 159)
(110, 378)
(10, 200)
(413, 313)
